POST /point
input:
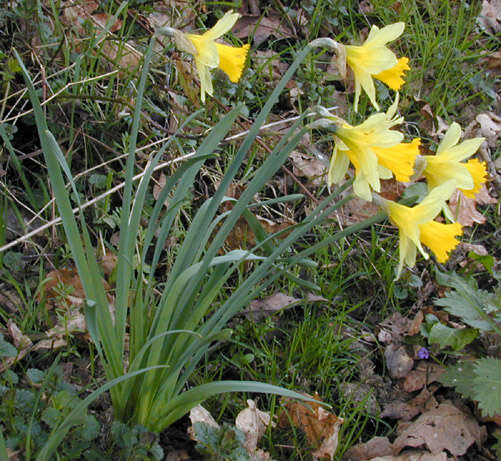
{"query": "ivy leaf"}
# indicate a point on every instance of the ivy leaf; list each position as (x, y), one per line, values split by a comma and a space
(451, 337)
(461, 377)
(487, 385)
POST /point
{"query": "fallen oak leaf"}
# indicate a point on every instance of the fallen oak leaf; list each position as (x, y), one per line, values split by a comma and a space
(261, 28)
(442, 428)
(464, 209)
(377, 446)
(320, 426)
(424, 374)
(261, 308)
(414, 455)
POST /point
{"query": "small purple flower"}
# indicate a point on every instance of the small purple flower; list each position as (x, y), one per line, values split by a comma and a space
(423, 353)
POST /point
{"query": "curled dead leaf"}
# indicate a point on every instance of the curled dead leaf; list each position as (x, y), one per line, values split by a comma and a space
(320, 426)
(308, 166)
(261, 28)
(377, 446)
(271, 304)
(490, 127)
(414, 455)
(253, 423)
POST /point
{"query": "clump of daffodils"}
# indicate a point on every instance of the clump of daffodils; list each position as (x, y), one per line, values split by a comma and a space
(375, 148)
(209, 54)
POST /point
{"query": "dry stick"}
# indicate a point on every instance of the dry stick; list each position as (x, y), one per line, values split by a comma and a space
(58, 220)
(57, 93)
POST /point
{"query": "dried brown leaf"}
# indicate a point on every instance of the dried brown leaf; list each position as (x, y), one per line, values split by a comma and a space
(415, 326)
(394, 328)
(436, 130)
(490, 16)
(67, 278)
(308, 166)
(424, 374)
(108, 263)
(320, 426)
(271, 63)
(177, 455)
(262, 28)
(414, 455)
(464, 209)
(378, 446)
(253, 423)
(357, 209)
(490, 127)
(442, 428)
(20, 340)
(101, 19)
(199, 414)
(271, 304)
(494, 61)
(398, 361)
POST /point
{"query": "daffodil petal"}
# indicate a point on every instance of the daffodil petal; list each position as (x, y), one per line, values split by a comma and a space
(451, 137)
(407, 253)
(338, 167)
(361, 188)
(222, 26)
(366, 82)
(386, 34)
(433, 202)
(206, 50)
(464, 150)
(393, 77)
(205, 79)
(399, 159)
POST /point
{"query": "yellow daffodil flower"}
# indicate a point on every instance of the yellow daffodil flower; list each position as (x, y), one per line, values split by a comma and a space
(374, 60)
(416, 226)
(375, 150)
(447, 163)
(210, 55)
